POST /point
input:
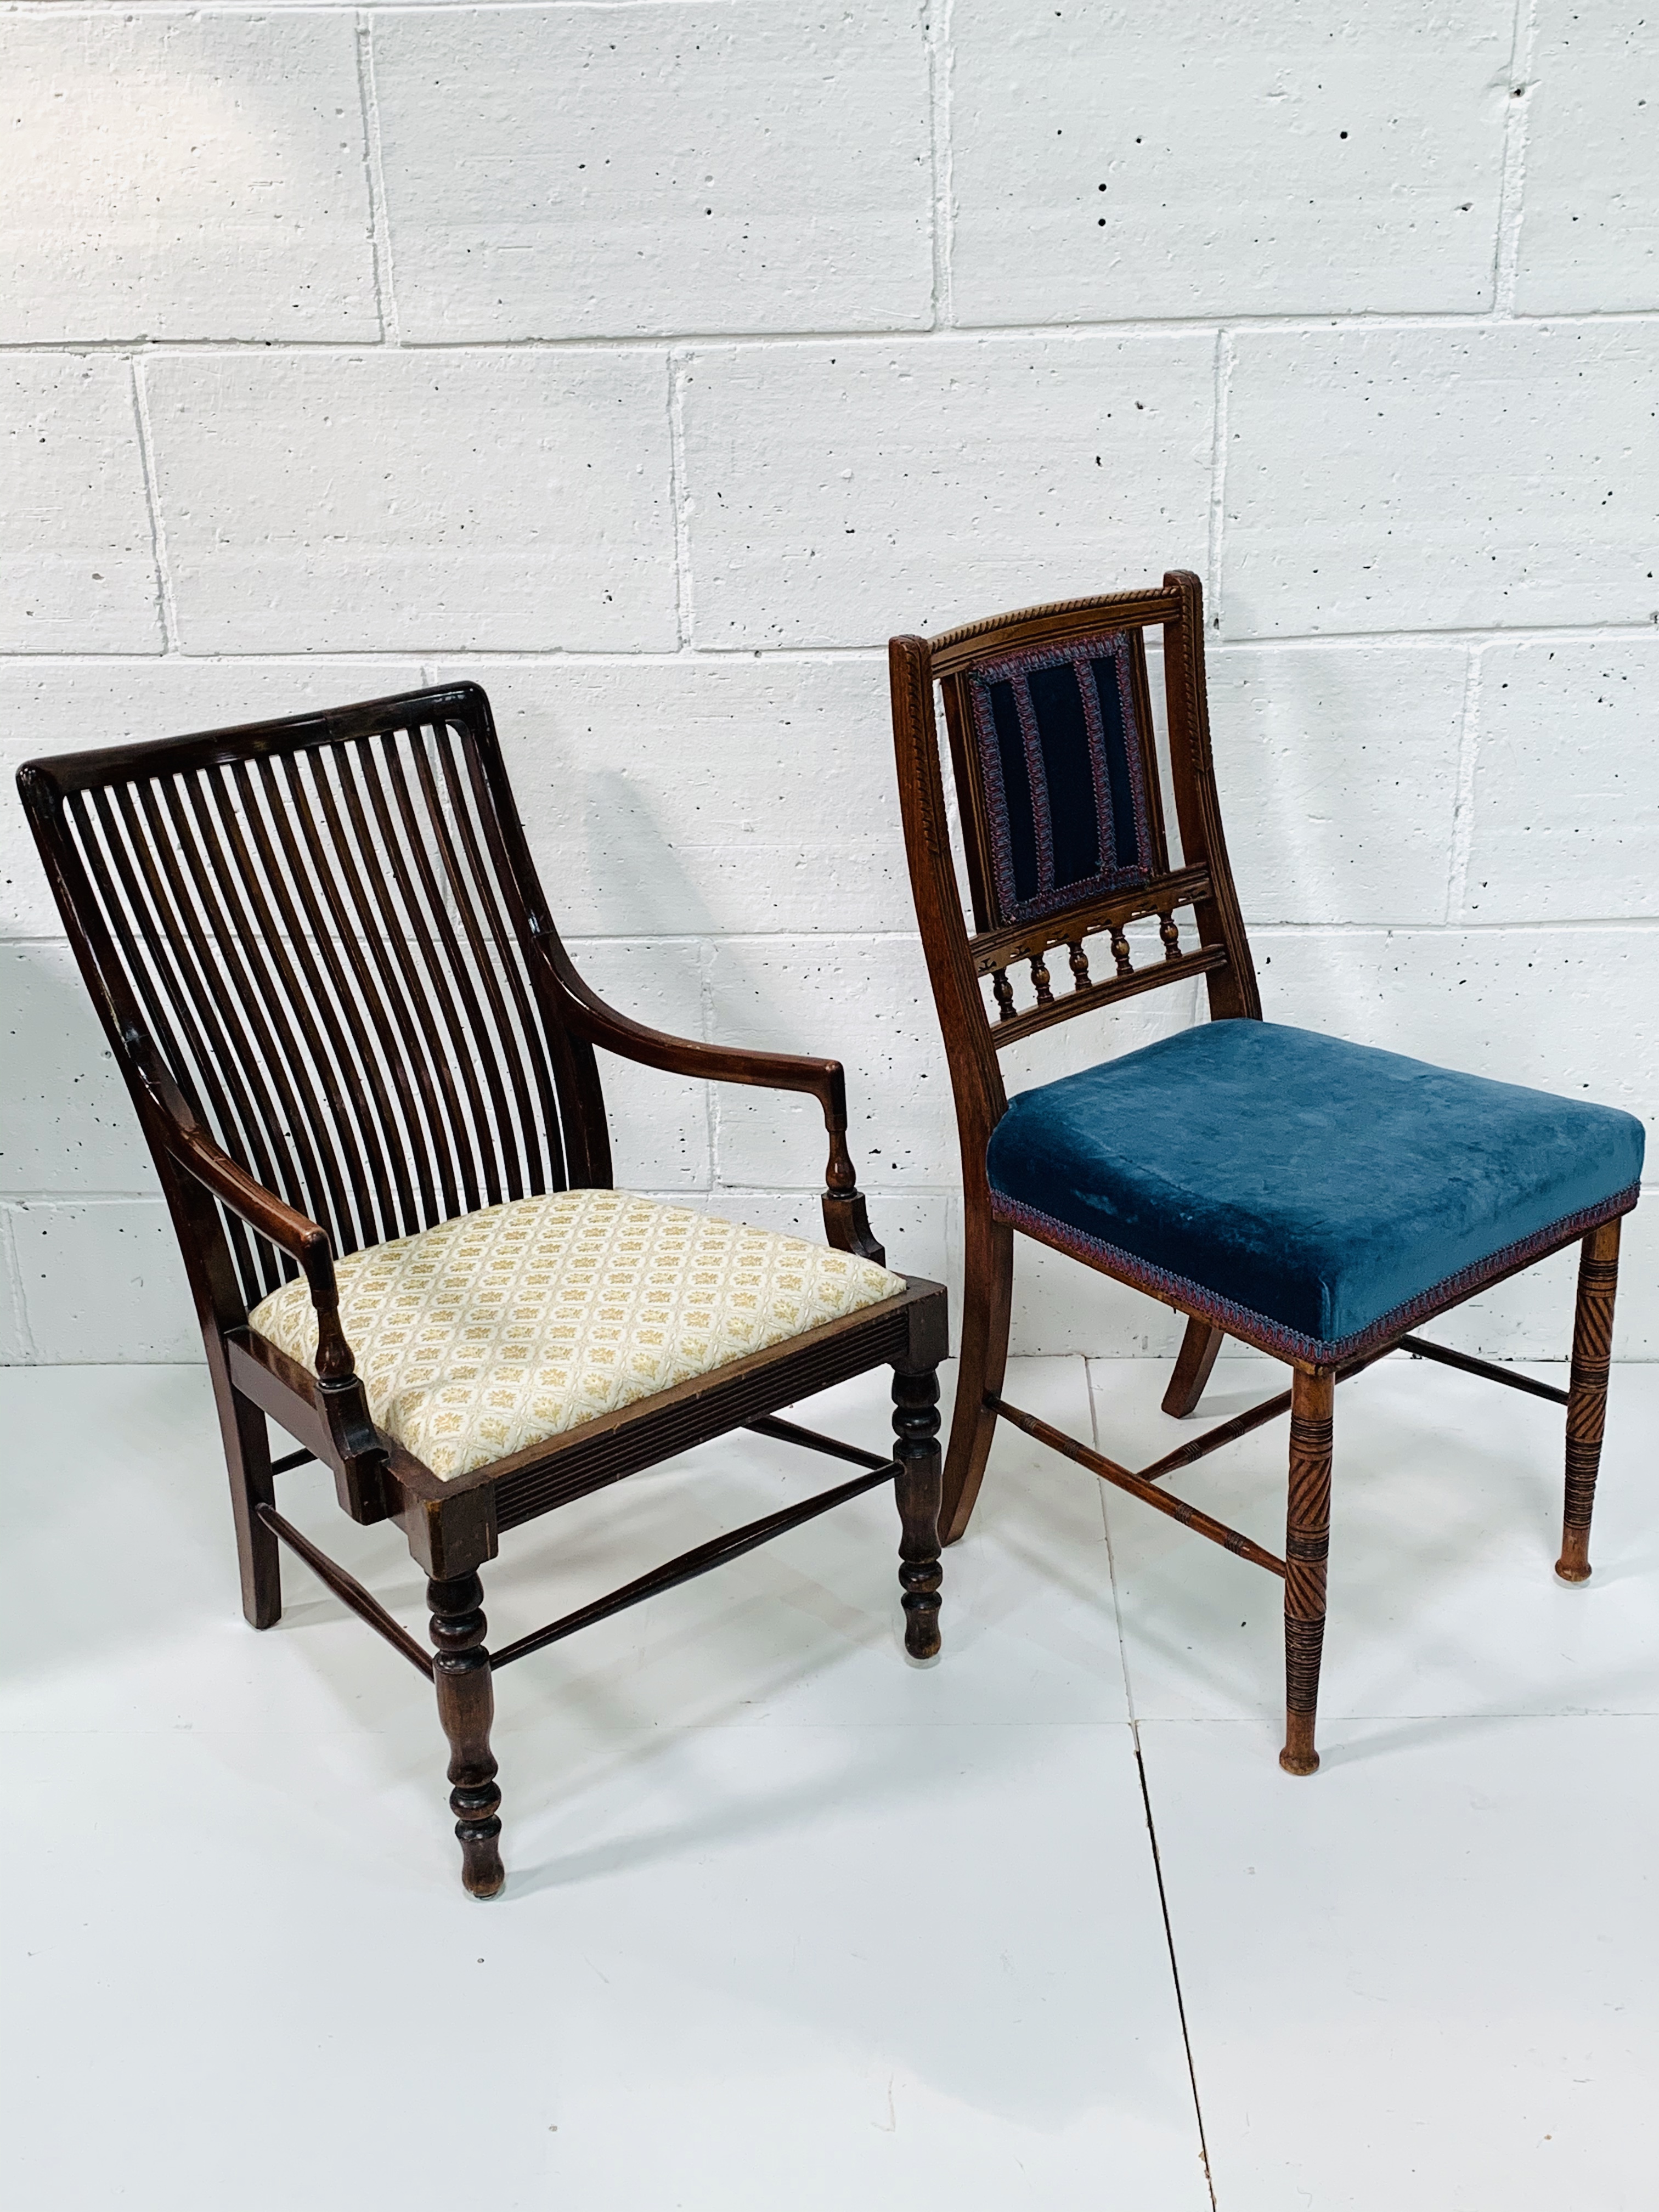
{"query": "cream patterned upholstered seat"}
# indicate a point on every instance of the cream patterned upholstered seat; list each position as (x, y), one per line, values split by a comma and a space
(496, 1331)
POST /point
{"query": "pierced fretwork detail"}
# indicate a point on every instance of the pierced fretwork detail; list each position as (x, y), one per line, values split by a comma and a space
(1169, 930)
(1045, 996)
(1079, 964)
(1126, 966)
(1004, 994)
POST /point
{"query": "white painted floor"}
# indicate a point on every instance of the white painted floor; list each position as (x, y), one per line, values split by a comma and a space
(790, 1923)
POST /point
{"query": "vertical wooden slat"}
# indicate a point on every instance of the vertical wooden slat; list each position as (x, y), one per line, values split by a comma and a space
(330, 947)
(373, 953)
(399, 934)
(296, 888)
(480, 995)
(520, 1030)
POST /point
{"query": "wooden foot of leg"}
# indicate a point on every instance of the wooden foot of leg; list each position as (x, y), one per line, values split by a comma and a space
(915, 1424)
(466, 1707)
(1197, 1356)
(1587, 1394)
(1307, 1547)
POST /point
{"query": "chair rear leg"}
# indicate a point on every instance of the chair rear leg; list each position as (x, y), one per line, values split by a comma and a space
(1587, 1394)
(1307, 1547)
(986, 1295)
(466, 1707)
(915, 1424)
(247, 1456)
(1197, 1356)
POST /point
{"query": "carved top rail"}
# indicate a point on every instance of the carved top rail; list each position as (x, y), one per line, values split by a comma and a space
(1065, 619)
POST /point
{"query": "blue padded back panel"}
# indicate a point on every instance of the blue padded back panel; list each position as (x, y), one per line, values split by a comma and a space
(1060, 762)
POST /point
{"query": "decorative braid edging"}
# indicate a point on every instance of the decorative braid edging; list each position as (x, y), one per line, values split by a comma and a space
(1253, 1327)
(1016, 670)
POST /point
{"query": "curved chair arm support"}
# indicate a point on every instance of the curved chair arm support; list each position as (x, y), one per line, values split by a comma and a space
(340, 1396)
(845, 1222)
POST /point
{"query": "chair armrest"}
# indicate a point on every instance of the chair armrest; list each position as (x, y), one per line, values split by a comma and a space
(290, 1231)
(340, 1398)
(845, 1222)
(772, 1071)
(190, 1147)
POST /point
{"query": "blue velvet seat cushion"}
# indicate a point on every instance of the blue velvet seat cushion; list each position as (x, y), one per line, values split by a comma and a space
(1320, 1187)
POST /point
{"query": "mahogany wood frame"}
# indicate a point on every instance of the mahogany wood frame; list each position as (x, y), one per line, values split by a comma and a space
(328, 972)
(963, 949)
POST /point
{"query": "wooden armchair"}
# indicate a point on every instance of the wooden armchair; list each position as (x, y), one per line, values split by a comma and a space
(1314, 1198)
(366, 1069)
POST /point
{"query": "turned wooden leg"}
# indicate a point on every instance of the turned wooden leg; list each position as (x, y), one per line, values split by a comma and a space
(467, 1706)
(1587, 1394)
(1307, 1546)
(247, 1456)
(986, 1295)
(1197, 1356)
(915, 1424)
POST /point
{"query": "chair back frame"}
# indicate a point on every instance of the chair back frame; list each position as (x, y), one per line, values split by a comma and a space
(324, 941)
(960, 957)
(329, 974)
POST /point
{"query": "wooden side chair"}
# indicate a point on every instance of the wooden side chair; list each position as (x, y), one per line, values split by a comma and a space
(364, 1066)
(1314, 1198)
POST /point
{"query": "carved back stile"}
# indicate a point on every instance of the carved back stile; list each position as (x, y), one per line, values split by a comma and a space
(1050, 735)
(328, 934)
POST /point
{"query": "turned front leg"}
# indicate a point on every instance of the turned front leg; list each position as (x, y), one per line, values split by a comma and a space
(915, 1424)
(1307, 1547)
(466, 1707)
(1587, 1394)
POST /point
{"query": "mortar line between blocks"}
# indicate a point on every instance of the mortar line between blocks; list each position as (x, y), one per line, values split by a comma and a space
(26, 1343)
(1076, 330)
(379, 221)
(1601, 633)
(158, 536)
(1223, 379)
(1506, 255)
(678, 499)
(707, 947)
(939, 29)
(1468, 747)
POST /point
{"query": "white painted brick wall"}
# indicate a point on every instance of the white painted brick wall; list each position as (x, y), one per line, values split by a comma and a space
(1113, 164)
(1589, 227)
(653, 362)
(173, 175)
(597, 172)
(384, 497)
(829, 484)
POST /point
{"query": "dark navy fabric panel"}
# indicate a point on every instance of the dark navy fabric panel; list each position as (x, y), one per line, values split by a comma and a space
(1126, 840)
(1068, 770)
(1318, 1183)
(1016, 790)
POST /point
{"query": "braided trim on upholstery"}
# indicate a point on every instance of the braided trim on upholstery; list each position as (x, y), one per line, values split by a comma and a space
(1252, 1327)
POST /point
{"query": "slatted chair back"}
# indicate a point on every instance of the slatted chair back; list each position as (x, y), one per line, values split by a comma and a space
(327, 934)
(1061, 798)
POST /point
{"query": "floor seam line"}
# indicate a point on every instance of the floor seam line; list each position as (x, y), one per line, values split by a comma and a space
(1175, 1966)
